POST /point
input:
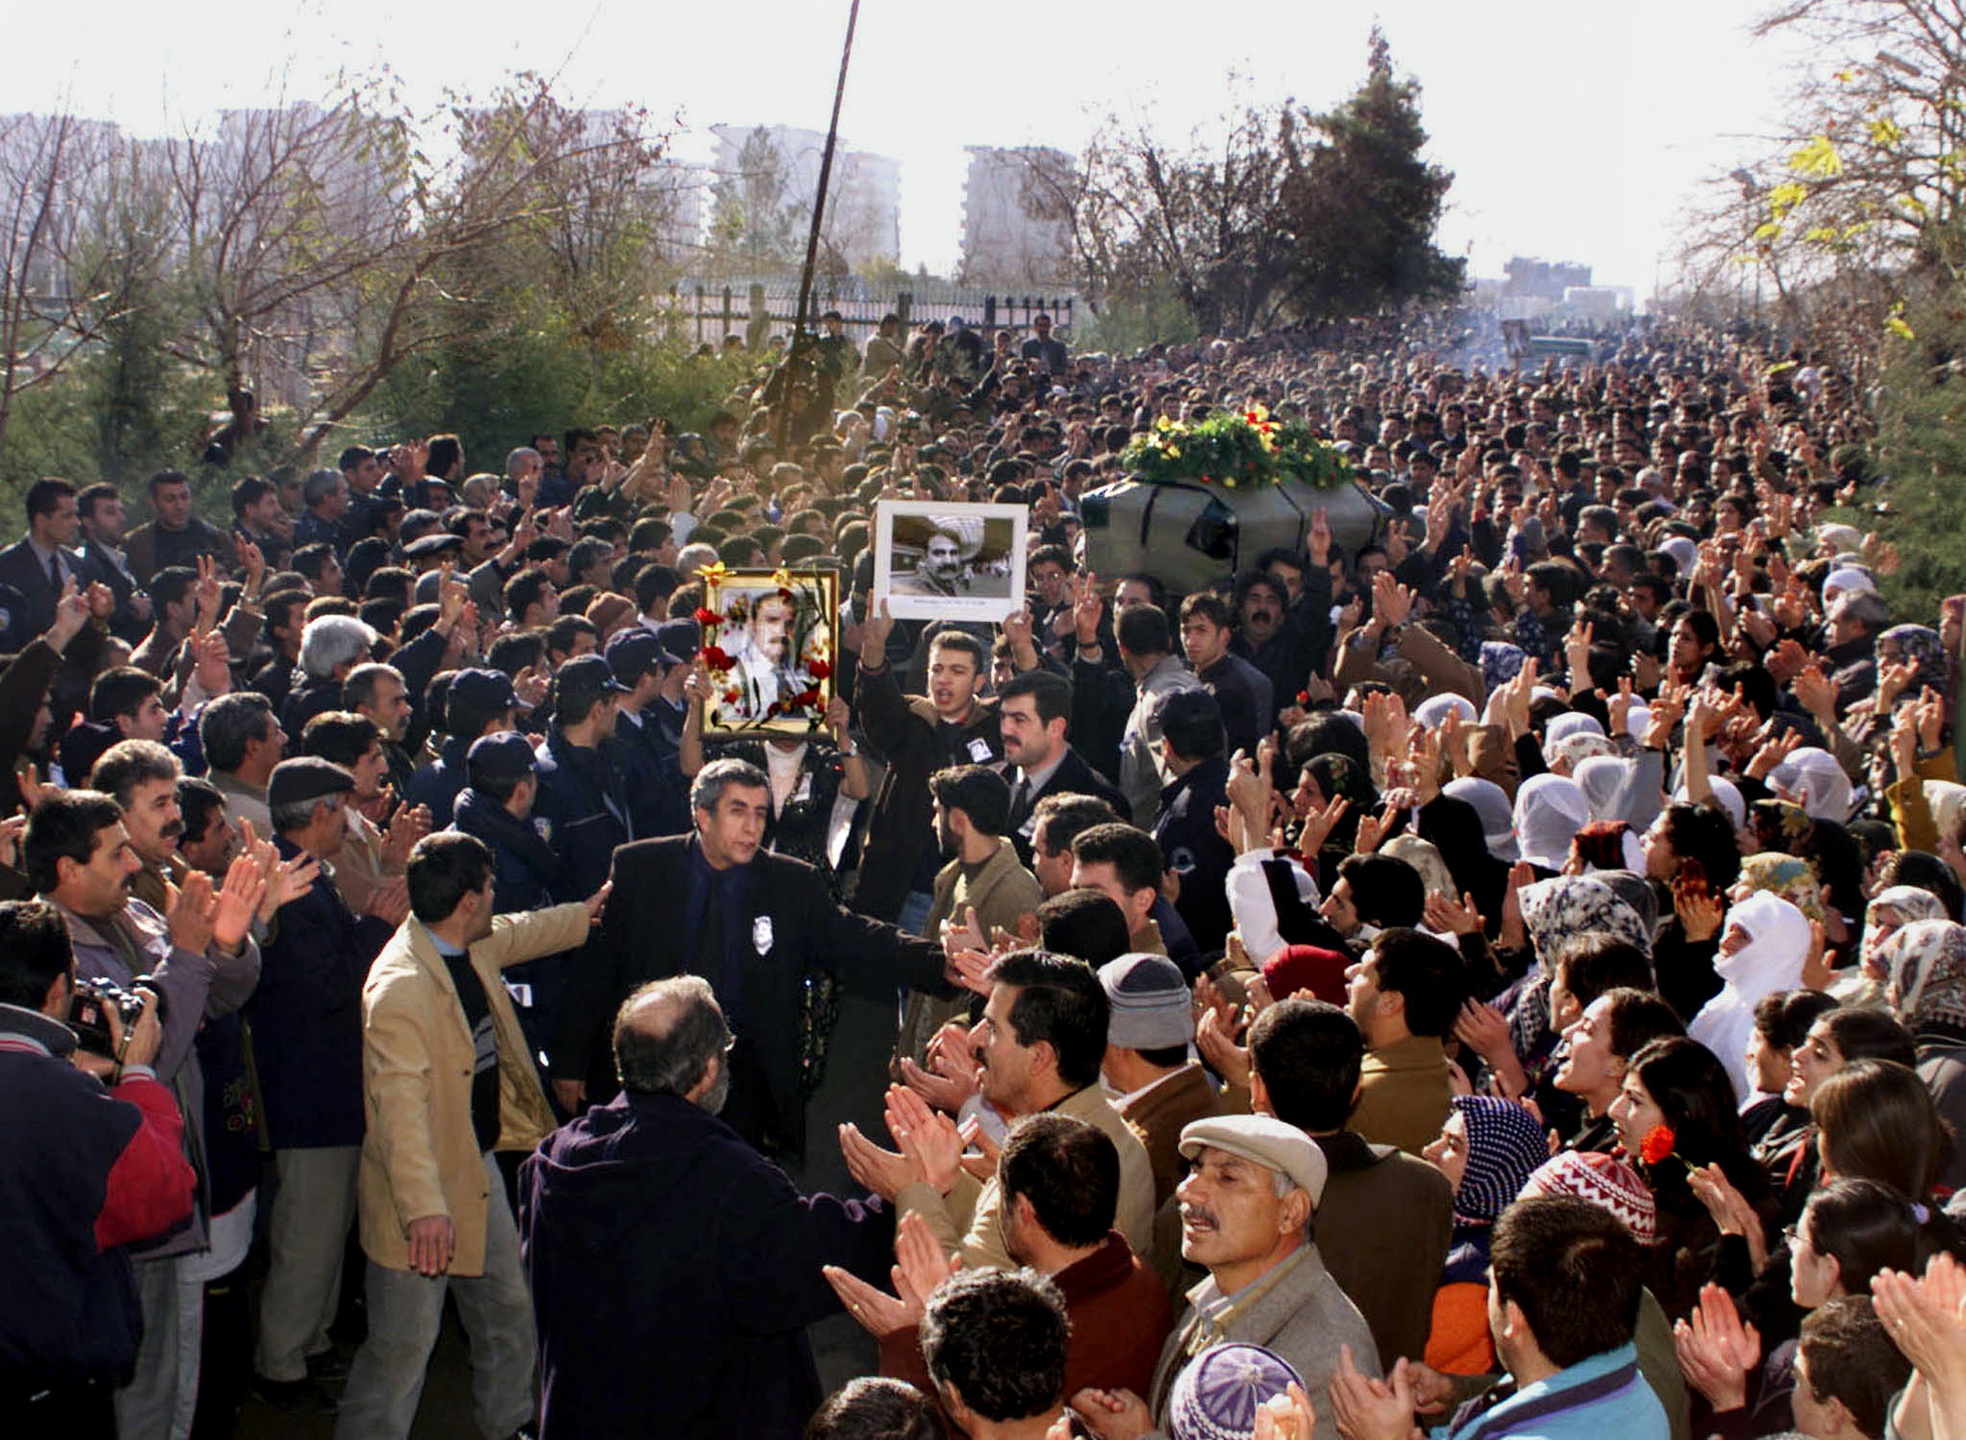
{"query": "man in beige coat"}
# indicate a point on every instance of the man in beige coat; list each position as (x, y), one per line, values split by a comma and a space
(447, 1082)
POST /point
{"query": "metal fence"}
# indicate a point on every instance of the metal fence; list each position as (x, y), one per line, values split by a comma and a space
(706, 311)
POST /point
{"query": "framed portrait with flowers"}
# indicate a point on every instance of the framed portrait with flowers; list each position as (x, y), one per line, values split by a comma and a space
(770, 644)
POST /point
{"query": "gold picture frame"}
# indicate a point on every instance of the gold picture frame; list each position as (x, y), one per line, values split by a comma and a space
(770, 649)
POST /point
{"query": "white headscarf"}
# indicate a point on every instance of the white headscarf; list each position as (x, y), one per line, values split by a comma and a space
(1549, 810)
(1844, 580)
(1812, 778)
(1435, 709)
(1771, 961)
(1491, 803)
(1600, 778)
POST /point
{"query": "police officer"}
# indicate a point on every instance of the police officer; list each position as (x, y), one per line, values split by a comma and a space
(583, 784)
(478, 703)
(528, 872)
(1191, 741)
(658, 797)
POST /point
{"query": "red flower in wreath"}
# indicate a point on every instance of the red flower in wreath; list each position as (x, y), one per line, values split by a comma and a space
(708, 617)
(820, 669)
(716, 657)
(803, 699)
(1657, 1145)
(1303, 697)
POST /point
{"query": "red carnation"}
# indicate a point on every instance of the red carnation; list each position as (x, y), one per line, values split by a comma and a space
(820, 669)
(716, 657)
(1657, 1145)
(708, 617)
(1303, 697)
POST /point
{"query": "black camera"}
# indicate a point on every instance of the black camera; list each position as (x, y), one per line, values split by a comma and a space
(88, 1010)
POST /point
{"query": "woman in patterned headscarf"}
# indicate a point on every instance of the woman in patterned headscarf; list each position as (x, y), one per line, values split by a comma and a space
(1926, 960)
(1890, 909)
(1918, 646)
(1783, 876)
(1487, 1149)
(1779, 825)
(1568, 913)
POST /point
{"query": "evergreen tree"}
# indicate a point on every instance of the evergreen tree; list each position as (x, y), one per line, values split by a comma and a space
(1365, 205)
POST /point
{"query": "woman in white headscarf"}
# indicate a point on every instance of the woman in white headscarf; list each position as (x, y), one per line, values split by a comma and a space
(1491, 803)
(1812, 778)
(1604, 780)
(1549, 809)
(1763, 947)
(1434, 710)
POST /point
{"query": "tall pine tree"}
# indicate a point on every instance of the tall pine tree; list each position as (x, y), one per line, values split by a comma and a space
(1365, 205)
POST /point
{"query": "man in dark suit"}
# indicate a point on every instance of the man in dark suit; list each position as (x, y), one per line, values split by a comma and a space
(104, 524)
(755, 925)
(1034, 709)
(40, 563)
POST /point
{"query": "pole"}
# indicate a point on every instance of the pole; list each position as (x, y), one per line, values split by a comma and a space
(799, 352)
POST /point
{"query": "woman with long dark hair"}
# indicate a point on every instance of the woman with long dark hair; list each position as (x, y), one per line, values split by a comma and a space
(1676, 1114)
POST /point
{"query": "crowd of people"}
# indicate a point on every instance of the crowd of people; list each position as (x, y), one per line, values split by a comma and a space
(1504, 978)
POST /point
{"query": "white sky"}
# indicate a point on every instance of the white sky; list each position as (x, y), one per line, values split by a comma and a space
(1576, 131)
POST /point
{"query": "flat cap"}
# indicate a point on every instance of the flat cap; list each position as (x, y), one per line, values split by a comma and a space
(1262, 1140)
(304, 778)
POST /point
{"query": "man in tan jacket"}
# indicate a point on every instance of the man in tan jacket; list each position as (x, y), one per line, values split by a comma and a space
(448, 1081)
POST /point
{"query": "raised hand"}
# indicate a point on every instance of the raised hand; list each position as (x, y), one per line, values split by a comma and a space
(71, 614)
(1088, 608)
(192, 912)
(237, 902)
(943, 1091)
(876, 1311)
(390, 903)
(1716, 1350)
(409, 825)
(211, 662)
(874, 632)
(1368, 1409)
(286, 881)
(1319, 824)
(927, 1138)
(1373, 830)
(1443, 915)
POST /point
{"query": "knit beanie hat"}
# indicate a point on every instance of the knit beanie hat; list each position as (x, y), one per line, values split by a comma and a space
(1217, 1395)
(1603, 1180)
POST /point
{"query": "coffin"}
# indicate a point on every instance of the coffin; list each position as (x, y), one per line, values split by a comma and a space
(1191, 535)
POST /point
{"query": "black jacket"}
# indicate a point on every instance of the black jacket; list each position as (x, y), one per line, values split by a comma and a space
(583, 798)
(673, 1270)
(22, 569)
(789, 928)
(901, 827)
(1193, 850)
(1072, 777)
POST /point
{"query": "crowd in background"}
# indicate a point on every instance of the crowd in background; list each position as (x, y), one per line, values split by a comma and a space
(1509, 974)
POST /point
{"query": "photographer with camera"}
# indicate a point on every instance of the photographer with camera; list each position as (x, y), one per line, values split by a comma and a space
(91, 1161)
(200, 960)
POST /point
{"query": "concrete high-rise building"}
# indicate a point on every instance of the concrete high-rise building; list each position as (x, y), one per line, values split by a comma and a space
(1016, 217)
(766, 177)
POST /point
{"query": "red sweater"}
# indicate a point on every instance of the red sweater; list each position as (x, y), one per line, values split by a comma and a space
(1120, 1317)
